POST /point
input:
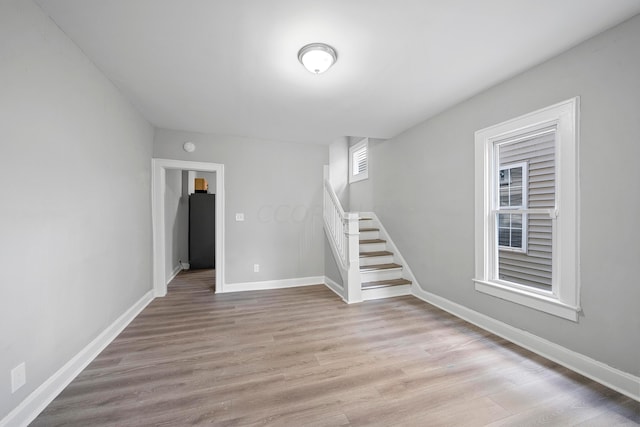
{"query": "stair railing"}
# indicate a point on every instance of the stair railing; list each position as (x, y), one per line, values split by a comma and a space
(343, 233)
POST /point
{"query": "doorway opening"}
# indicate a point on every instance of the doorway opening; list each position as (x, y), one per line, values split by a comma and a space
(161, 168)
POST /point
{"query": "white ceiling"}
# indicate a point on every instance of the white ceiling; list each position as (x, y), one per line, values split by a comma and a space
(231, 67)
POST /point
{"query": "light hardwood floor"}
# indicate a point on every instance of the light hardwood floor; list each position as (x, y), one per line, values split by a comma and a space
(300, 356)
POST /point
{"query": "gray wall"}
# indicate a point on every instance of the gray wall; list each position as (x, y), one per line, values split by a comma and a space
(75, 248)
(278, 186)
(176, 222)
(182, 221)
(339, 170)
(424, 194)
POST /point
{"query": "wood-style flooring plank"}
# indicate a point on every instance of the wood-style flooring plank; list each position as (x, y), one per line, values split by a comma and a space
(301, 357)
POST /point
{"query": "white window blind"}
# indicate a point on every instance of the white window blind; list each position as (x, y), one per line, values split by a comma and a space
(359, 161)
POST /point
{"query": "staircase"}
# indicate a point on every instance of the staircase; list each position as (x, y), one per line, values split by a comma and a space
(380, 274)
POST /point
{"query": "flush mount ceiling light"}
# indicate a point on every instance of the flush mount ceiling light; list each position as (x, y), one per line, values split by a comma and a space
(317, 57)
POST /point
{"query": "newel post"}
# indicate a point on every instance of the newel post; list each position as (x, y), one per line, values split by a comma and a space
(353, 289)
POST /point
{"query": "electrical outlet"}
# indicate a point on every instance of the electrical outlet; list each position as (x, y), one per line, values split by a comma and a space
(256, 268)
(18, 377)
(239, 217)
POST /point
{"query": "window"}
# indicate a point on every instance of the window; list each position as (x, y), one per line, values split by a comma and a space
(527, 210)
(359, 161)
(512, 227)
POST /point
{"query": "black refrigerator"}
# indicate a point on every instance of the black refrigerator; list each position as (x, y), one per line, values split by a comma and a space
(202, 231)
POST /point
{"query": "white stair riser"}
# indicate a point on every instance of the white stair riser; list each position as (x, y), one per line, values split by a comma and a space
(387, 292)
(374, 276)
(386, 259)
(366, 235)
(365, 224)
(372, 247)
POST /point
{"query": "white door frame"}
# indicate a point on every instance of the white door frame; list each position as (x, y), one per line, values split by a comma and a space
(159, 168)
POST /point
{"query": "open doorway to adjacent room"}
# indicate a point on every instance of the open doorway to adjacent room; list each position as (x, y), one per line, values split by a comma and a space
(190, 200)
(188, 221)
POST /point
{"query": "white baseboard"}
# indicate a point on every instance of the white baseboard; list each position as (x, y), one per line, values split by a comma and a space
(38, 400)
(386, 292)
(185, 265)
(335, 287)
(613, 378)
(272, 284)
(174, 273)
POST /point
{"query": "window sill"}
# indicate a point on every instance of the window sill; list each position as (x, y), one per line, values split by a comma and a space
(358, 178)
(512, 249)
(547, 304)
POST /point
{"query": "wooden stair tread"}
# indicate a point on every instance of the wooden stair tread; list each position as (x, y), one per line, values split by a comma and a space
(364, 242)
(375, 253)
(377, 267)
(369, 229)
(385, 283)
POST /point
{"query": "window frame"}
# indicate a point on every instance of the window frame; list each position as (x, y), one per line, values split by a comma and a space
(353, 150)
(563, 298)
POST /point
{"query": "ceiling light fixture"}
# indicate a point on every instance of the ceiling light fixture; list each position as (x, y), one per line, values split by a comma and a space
(317, 57)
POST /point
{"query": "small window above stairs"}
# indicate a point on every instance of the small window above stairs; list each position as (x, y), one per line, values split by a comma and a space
(380, 273)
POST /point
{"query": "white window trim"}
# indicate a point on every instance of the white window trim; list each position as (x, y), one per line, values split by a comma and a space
(563, 299)
(517, 210)
(352, 150)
